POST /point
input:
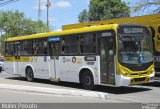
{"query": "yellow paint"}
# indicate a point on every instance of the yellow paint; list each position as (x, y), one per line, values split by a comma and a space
(22, 59)
(9, 59)
(148, 20)
(67, 32)
(131, 73)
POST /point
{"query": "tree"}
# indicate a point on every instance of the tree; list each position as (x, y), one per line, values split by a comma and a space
(40, 27)
(14, 23)
(105, 9)
(83, 16)
(143, 5)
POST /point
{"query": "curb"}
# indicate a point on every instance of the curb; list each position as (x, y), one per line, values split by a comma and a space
(93, 94)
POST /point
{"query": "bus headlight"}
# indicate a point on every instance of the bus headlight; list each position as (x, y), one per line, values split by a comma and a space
(124, 72)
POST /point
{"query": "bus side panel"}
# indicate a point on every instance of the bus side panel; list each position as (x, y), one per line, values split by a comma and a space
(39, 65)
(9, 65)
(70, 67)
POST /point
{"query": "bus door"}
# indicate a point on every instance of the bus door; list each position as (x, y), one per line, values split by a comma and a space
(107, 58)
(54, 51)
(17, 54)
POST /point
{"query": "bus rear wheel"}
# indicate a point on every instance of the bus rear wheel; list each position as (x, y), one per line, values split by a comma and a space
(29, 74)
(87, 80)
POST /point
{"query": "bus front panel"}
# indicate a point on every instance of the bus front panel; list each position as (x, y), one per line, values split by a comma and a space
(135, 55)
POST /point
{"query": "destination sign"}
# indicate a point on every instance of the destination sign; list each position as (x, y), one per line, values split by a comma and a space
(133, 30)
(53, 39)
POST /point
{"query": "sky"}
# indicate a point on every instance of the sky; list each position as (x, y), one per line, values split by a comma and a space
(61, 12)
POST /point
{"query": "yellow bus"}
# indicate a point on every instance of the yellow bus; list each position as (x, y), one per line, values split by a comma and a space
(114, 54)
(152, 21)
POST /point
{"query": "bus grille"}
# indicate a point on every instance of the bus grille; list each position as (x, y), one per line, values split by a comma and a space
(139, 79)
(139, 74)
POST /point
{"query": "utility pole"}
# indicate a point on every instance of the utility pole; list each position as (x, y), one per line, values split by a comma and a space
(39, 10)
(48, 6)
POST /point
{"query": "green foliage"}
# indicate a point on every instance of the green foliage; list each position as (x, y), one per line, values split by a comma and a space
(105, 9)
(83, 16)
(152, 5)
(40, 27)
(14, 23)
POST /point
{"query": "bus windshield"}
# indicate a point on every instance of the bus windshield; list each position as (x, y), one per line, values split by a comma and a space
(134, 47)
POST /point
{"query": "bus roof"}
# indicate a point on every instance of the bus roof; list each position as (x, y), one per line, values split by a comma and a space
(148, 20)
(66, 32)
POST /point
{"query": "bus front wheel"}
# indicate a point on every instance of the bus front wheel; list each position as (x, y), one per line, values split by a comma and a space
(87, 80)
(0, 69)
(29, 74)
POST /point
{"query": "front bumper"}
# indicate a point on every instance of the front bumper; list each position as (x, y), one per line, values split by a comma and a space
(126, 81)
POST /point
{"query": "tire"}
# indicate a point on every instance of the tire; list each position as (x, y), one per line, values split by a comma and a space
(29, 74)
(0, 69)
(87, 80)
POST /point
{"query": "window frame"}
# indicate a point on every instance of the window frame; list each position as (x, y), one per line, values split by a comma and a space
(113, 35)
(70, 44)
(22, 47)
(47, 47)
(6, 49)
(79, 53)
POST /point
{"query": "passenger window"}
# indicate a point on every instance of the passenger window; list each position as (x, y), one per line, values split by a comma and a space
(88, 43)
(26, 47)
(40, 47)
(9, 49)
(70, 44)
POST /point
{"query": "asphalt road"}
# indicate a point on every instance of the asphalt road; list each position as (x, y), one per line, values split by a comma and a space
(134, 94)
(14, 96)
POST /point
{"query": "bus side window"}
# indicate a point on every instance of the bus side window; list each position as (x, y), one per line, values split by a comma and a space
(35, 49)
(103, 51)
(9, 49)
(40, 47)
(54, 50)
(62, 44)
(70, 44)
(27, 47)
(82, 44)
(88, 43)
